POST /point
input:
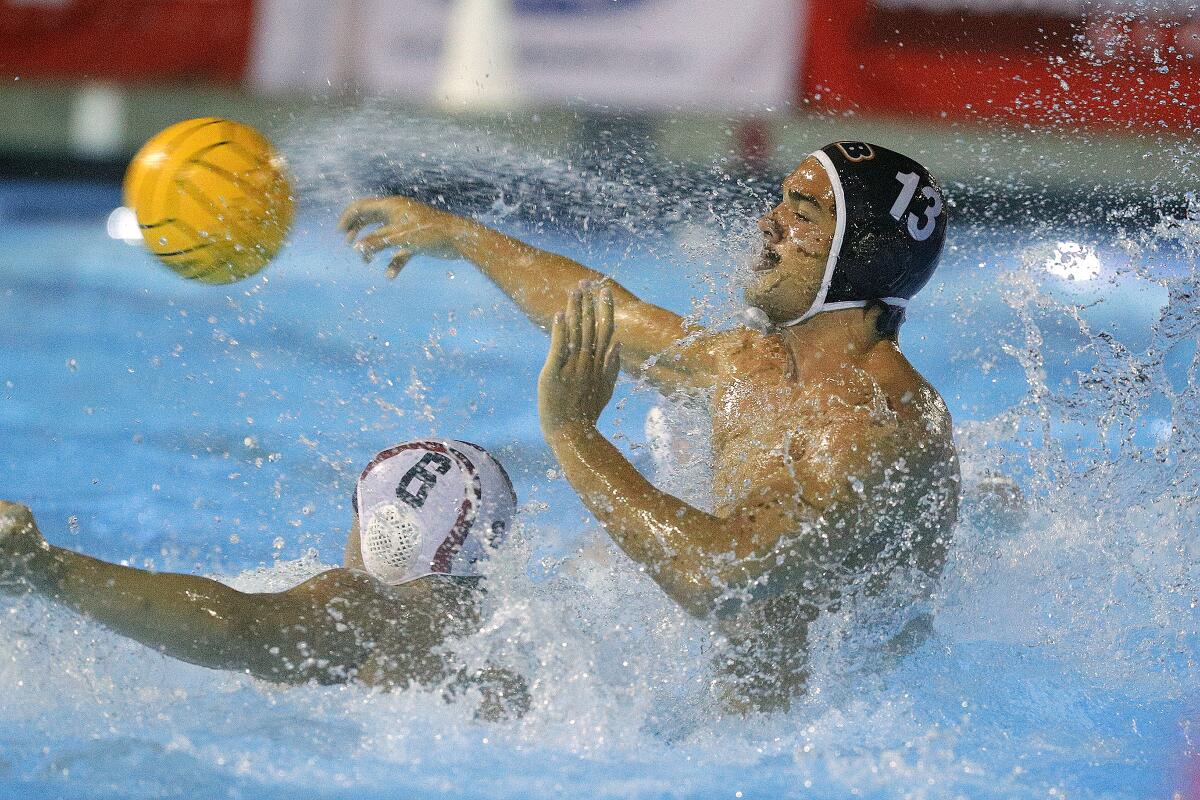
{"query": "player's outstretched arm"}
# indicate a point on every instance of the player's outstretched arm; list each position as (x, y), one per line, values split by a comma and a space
(535, 279)
(696, 557)
(288, 637)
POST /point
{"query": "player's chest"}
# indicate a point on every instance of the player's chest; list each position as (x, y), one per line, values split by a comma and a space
(760, 407)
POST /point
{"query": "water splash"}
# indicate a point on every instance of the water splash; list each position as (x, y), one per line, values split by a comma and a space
(1062, 644)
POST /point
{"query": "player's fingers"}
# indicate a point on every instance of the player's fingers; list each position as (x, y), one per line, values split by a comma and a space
(390, 211)
(16, 521)
(372, 243)
(360, 213)
(573, 322)
(604, 324)
(612, 364)
(558, 341)
(14, 517)
(388, 236)
(351, 217)
(397, 263)
(587, 325)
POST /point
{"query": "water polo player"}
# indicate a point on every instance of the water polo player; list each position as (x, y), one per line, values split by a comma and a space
(834, 463)
(431, 511)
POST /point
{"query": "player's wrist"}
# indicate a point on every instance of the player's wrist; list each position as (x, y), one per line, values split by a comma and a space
(466, 235)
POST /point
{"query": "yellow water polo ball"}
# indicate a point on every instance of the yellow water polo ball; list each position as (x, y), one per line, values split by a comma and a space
(211, 198)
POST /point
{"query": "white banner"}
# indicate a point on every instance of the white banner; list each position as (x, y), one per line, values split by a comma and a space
(654, 54)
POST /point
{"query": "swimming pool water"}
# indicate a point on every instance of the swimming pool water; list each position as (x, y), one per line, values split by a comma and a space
(161, 423)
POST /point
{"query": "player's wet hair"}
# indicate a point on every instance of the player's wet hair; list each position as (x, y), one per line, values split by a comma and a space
(889, 232)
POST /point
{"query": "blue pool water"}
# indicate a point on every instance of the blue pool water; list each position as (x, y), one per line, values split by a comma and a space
(161, 423)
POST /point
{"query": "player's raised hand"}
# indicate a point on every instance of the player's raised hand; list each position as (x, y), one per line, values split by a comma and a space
(581, 368)
(407, 227)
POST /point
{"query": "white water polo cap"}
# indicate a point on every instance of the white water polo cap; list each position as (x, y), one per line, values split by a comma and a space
(431, 507)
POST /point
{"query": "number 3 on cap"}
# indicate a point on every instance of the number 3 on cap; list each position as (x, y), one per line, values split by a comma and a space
(918, 230)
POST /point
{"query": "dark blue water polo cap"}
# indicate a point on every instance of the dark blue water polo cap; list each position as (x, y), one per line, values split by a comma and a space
(891, 225)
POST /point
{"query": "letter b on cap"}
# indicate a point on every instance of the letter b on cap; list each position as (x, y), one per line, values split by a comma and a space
(856, 151)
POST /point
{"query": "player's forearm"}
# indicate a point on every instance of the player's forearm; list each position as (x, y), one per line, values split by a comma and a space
(672, 540)
(537, 280)
(185, 616)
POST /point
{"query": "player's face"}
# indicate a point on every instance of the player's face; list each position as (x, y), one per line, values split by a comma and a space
(797, 235)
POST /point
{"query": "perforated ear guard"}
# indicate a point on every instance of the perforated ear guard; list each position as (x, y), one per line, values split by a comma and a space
(390, 542)
(431, 507)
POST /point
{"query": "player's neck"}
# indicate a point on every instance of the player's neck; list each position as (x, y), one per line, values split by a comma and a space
(831, 341)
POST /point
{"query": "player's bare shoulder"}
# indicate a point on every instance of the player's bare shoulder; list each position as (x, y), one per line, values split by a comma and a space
(438, 596)
(745, 353)
(918, 406)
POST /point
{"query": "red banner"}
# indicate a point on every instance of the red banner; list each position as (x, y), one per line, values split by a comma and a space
(1109, 70)
(126, 40)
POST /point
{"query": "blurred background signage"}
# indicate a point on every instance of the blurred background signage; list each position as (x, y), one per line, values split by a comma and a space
(1095, 64)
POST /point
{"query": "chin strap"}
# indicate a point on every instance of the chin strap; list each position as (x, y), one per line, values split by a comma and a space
(818, 308)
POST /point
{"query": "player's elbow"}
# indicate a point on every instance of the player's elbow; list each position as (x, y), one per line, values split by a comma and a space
(259, 642)
(715, 574)
(697, 602)
(689, 581)
(246, 642)
(296, 638)
(216, 640)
